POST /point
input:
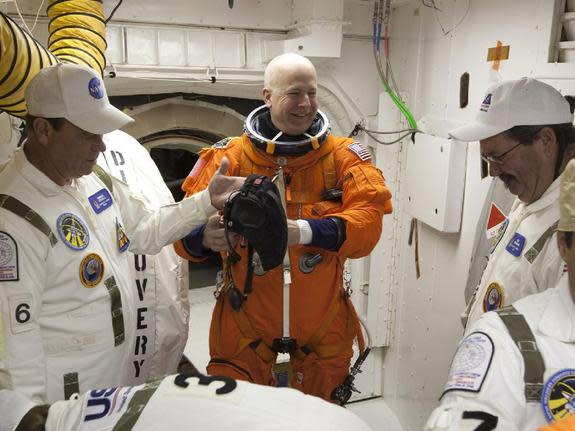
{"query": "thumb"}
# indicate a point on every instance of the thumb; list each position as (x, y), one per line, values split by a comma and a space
(223, 169)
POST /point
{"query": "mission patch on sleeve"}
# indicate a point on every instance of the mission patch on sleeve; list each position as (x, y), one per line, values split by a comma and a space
(470, 363)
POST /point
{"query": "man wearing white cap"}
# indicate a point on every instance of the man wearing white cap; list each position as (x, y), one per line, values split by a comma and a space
(526, 135)
(515, 370)
(68, 319)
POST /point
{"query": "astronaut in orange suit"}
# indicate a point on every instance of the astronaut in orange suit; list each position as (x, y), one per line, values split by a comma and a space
(335, 201)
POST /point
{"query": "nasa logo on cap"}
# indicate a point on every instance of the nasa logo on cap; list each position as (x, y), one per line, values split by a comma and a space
(486, 103)
(96, 88)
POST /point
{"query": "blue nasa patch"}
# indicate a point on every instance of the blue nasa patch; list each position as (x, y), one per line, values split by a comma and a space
(100, 201)
(95, 88)
(558, 395)
(515, 246)
(73, 232)
(486, 103)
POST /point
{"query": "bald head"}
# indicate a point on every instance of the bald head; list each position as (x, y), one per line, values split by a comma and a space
(290, 92)
(283, 63)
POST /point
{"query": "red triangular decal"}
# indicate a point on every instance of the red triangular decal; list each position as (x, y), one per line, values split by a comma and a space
(495, 217)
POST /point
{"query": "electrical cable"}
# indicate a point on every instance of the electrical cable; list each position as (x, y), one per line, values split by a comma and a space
(20, 15)
(37, 15)
(431, 5)
(371, 133)
(379, 141)
(377, 132)
(436, 10)
(377, 24)
(113, 11)
(394, 97)
(368, 345)
(389, 68)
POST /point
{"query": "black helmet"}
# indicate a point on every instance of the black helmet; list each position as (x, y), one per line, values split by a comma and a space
(256, 213)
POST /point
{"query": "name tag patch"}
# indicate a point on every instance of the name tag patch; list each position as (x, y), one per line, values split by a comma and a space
(470, 363)
(100, 201)
(8, 258)
(515, 246)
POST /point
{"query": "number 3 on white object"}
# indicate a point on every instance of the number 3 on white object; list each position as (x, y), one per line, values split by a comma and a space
(488, 421)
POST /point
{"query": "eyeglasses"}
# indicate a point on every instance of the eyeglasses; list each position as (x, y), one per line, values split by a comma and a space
(500, 158)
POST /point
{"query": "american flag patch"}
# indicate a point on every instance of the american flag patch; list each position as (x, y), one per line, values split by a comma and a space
(360, 151)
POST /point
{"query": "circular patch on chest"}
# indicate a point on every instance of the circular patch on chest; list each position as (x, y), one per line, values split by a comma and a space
(558, 396)
(494, 297)
(91, 270)
(73, 232)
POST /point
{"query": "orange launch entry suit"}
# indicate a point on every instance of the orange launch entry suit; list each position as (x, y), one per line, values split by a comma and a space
(322, 318)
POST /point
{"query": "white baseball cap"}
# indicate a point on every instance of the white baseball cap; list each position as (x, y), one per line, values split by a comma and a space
(523, 102)
(77, 94)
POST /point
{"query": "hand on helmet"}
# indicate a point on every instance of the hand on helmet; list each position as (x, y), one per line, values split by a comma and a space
(215, 235)
(221, 186)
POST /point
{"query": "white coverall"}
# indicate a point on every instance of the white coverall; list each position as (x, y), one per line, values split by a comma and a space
(487, 372)
(241, 406)
(53, 326)
(161, 280)
(508, 277)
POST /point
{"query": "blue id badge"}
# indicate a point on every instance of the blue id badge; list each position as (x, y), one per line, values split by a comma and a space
(515, 246)
(100, 201)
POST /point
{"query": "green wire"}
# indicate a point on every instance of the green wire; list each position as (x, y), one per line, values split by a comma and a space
(399, 103)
